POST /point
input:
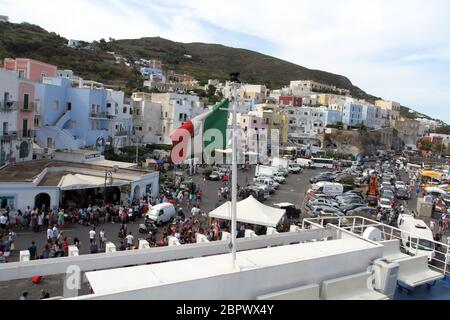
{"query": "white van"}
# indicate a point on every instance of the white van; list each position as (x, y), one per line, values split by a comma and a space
(328, 188)
(162, 213)
(416, 229)
(305, 163)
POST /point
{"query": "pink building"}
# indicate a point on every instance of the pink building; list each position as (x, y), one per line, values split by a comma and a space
(30, 69)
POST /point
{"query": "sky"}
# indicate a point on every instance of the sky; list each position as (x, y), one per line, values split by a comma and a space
(395, 49)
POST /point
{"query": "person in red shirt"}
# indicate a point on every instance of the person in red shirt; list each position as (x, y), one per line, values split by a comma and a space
(199, 196)
(66, 247)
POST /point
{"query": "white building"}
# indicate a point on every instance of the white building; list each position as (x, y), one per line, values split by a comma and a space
(120, 115)
(159, 114)
(369, 116)
(176, 109)
(146, 119)
(309, 120)
(54, 182)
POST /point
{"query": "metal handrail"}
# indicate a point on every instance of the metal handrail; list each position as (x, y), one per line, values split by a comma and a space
(391, 233)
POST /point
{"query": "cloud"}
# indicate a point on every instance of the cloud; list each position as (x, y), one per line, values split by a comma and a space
(399, 50)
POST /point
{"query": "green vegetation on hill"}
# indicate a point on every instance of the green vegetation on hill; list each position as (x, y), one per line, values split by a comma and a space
(203, 61)
(31, 41)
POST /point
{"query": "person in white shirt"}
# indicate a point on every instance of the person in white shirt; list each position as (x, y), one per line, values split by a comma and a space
(130, 240)
(49, 233)
(102, 238)
(379, 217)
(92, 234)
(55, 232)
(3, 221)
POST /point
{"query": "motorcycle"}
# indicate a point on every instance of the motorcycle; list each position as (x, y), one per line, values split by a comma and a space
(147, 227)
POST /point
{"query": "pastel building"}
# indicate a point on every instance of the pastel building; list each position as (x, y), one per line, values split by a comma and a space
(309, 120)
(16, 117)
(352, 114)
(255, 130)
(80, 114)
(30, 69)
(369, 116)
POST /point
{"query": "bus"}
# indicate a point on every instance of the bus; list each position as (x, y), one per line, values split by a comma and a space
(323, 163)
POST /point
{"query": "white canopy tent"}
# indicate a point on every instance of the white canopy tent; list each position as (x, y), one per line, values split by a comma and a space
(81, 181)
(250, 211)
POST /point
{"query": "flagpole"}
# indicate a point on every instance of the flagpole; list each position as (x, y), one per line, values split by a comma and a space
(234, 85)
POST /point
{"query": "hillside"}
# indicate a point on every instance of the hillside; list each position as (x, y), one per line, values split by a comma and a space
(207, 61)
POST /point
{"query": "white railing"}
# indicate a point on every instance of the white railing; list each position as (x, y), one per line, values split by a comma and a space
(357, 225)
(89, 262)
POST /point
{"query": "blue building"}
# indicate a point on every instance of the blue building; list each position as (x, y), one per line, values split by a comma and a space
(369, 115)
(352, 114)
(152, 73)
(73, 115)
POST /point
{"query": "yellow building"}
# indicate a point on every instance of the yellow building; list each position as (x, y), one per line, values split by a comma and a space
(275, 120)
(393, 109)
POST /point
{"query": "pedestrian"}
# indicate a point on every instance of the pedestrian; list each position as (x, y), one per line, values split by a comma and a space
(24, 296)
(129, 239)
(55, 233)
(102, 239)
(49, 233)
(3, 222)
(92, 234)
(32, 250)
(61, 217)
(65, 247)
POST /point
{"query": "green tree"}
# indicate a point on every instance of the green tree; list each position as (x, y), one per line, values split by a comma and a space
(426, 145)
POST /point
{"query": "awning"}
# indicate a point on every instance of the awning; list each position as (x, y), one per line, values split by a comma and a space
(250, 211)
(431, 174)
(81, 181)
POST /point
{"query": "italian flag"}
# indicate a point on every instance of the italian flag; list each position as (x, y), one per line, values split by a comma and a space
(189, 140)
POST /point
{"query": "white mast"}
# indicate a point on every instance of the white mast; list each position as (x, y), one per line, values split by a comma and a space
(234, 86)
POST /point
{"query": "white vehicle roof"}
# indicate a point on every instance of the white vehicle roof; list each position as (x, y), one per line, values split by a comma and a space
(162, 206)
(417, 227)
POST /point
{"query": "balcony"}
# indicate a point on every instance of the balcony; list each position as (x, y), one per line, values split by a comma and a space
(98, 115)
(29, 107)
(6, 106)
(8, 135)
(25, 134)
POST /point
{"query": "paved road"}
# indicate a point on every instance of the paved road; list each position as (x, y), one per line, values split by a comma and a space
(292, 191)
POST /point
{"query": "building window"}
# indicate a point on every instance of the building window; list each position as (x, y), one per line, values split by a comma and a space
(165, 114)
(164, 129)
(56, 104)
(124, 110)
(150, 129)
(108, 105)
(21, 74)
(254, 121)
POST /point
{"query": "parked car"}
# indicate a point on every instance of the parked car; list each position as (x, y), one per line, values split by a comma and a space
(367, 212)
(402, 194)
(215, 176)
(399, 184)
(294, 168)
(385, 203)
(350, 206)
(316, 211)
(327, 176)
(321, 202)
(372, 200)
